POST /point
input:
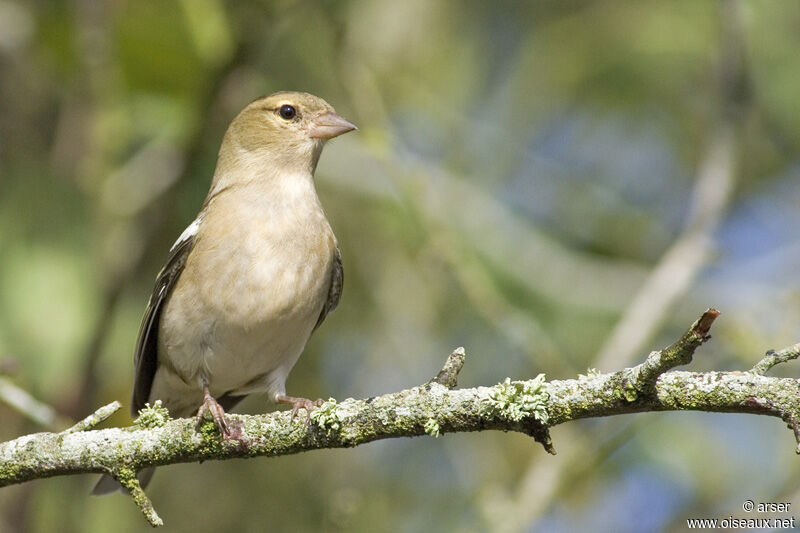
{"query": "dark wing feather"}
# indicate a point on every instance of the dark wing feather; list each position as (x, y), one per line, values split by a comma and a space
(146, 357)
(335, 290)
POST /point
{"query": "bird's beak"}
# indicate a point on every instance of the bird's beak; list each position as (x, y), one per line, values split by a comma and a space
(329, 125)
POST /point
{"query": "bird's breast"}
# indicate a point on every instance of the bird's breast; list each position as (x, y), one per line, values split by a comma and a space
(268, 269)
(259, 281)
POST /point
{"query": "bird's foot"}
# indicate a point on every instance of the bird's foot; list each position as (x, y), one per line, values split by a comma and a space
(300, 403)
(211, 406)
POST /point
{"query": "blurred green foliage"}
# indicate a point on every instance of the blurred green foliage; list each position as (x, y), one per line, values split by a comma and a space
(519, 170)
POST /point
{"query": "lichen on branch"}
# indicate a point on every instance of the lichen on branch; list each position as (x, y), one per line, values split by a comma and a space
(435, 408)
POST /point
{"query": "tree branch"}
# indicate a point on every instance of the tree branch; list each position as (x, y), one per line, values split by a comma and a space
(528, 406)
(773, 358)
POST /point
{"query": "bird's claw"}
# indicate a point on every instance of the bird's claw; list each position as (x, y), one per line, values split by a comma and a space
(210, 405)
(301, 403)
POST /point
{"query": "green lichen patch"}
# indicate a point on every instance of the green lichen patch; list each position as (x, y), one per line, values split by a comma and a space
(629, 392)
(152, 416)
(591, 372)
(327, 415)
(623, 386)
(10, 469)
(516, 400)
(211, 439)
(432, 428)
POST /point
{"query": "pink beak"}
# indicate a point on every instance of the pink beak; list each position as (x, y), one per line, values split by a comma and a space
(329, 125)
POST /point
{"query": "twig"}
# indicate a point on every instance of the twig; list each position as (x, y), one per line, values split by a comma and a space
(773, 358)
(679, 353)
(95, 418)
(448, 375)
(127, 478)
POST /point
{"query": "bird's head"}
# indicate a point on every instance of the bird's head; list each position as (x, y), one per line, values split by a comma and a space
(286, 129)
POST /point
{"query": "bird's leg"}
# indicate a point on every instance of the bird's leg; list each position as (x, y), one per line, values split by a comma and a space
(211, 405)
(299, 403)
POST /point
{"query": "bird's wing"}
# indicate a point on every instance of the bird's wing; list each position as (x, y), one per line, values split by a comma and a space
(146, 356)
(335, 290)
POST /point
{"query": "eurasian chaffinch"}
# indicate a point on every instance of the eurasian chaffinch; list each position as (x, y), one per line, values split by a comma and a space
(251, 278)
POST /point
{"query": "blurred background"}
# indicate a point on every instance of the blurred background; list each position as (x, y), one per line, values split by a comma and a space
(556, 186)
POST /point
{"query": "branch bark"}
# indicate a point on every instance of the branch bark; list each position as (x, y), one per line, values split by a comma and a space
(528, 406)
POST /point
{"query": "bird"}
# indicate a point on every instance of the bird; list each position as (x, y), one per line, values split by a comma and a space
(251, 278)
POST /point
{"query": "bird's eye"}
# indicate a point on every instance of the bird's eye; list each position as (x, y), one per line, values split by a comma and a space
(287, 112)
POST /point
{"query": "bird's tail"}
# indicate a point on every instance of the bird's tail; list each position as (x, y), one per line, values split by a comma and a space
(107, 484)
